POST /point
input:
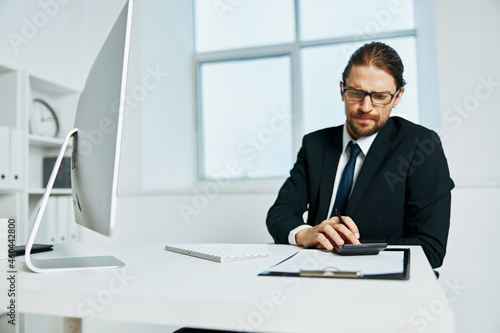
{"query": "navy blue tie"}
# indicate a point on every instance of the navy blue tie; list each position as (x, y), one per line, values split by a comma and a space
(346, 181)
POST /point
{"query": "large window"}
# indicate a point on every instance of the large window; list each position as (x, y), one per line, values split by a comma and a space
(268, 72)
(246, 117)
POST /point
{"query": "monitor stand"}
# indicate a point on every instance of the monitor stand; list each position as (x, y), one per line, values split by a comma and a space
(62, 264)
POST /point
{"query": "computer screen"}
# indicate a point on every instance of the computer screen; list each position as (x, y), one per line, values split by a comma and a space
(97, 144)
(95, 157)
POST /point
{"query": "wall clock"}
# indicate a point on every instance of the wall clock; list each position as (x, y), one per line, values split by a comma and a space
(43, 119)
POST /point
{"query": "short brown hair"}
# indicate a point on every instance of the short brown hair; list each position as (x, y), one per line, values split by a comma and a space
(381, 56)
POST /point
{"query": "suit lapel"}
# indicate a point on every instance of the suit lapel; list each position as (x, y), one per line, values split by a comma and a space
(375, 156)
(331, 157)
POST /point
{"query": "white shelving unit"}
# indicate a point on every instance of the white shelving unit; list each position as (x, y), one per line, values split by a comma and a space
(21, 198)
(12, 203)
(58, 224)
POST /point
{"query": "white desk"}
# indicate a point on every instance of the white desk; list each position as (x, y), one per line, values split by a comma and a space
(161, 287)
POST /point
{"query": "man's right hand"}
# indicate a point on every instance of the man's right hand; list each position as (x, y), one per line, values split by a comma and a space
(329, 233)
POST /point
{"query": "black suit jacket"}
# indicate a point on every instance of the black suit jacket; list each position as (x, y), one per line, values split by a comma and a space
(402, 194)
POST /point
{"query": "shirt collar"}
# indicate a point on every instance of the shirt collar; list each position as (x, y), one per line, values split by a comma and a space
(363, 142)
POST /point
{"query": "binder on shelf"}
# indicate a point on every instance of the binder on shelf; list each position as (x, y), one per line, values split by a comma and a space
(48, 228)
(58, 222)
(73, 227)
(4, 158)
(63, 222)
(16, 159)
(390, 264)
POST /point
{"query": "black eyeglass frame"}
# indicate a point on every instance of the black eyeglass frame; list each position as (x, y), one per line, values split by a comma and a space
(370, 94)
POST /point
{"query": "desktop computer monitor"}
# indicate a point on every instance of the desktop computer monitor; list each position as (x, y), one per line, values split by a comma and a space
(95, 157)
(97, 143)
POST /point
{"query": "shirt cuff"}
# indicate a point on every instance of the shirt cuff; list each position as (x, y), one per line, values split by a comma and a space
(291, 235)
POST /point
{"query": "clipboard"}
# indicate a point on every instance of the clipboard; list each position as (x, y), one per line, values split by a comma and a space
(331, 272)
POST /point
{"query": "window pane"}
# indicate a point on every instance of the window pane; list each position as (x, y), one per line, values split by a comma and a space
(322, 69)
(334, 18)
(227, 24)
(246, 118)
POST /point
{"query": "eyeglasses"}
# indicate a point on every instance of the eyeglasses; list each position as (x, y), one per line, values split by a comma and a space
(379, 98)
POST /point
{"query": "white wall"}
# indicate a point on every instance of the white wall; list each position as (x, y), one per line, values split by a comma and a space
(467, 58)
(225, 218)
(38, 37)
(472, 262)
(468, 55)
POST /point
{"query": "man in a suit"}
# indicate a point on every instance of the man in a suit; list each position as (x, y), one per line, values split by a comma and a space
(395, 189)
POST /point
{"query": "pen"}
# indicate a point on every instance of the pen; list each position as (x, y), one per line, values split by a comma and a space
(338, 215)
(342, 221)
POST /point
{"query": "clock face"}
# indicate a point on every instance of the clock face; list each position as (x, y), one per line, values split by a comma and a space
(43, 119)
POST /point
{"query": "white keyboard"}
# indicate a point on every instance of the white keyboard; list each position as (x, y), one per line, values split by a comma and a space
(213, 252)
